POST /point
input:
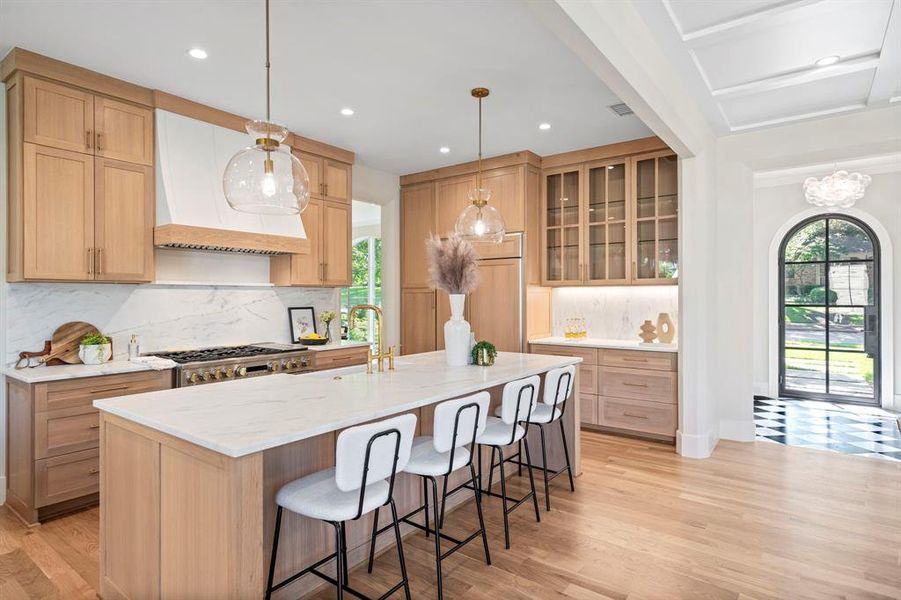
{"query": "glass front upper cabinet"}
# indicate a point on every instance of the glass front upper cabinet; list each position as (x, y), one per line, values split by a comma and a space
(606, 222)
(656, 218)
(563, 227)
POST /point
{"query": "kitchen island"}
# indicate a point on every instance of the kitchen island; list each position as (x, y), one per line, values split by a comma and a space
(189, 476)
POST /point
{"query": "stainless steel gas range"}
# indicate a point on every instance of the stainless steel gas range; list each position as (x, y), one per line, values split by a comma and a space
(209, 365)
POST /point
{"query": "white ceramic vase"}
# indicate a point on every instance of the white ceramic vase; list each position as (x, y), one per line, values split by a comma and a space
(457, 333)
(96, 354)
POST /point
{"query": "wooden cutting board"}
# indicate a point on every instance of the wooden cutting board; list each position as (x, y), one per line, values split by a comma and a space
(66, 339)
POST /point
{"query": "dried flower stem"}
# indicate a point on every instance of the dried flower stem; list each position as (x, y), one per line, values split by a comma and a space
(453, 264)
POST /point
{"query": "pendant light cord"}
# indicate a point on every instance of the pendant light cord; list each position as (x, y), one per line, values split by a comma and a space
(268, 117)
(479, 178)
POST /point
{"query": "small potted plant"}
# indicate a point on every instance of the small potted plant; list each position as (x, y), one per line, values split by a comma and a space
(95, 349)
(327, 316)
(483, 354)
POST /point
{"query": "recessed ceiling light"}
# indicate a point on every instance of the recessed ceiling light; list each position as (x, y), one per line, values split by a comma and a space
(347, 112)
(198, 53)
(610, 167)
(827, 60)
(443, 149)
(544, 126)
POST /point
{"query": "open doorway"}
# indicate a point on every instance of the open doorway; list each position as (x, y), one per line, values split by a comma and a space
(366, 273)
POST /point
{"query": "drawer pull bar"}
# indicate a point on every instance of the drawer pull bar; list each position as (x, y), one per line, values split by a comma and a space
(630, 384)
(109, 389)
(94, 426)
(93, 471)
(628, 414)
(629, 359)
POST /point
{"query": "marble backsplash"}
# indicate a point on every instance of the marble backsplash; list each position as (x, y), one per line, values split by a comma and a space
(162, 316)
(614, 312)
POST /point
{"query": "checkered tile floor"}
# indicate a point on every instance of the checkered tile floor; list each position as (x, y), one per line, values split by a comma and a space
(847, 428)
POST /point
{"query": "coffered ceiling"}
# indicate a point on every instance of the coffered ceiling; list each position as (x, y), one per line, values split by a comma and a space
(753, 63)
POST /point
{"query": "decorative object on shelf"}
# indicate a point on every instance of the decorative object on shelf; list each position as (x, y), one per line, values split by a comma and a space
(575, 328)
(484, 353)
(266, 178)
(480, 222)
(95, 349)
(302, 320)
(134, 348)
(666, 329)
(454, 268)
(648, 332)
(327, 316)
(839, 190)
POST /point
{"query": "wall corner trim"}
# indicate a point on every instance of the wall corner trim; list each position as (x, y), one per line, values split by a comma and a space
(693, 445)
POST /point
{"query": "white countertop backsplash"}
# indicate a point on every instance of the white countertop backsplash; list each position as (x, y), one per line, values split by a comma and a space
(614, 312)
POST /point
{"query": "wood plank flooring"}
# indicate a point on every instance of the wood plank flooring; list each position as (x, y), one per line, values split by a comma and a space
(756, 521)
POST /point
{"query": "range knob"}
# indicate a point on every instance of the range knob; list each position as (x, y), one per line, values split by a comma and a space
(229, 373)
(206, 376)
(292, 364)
(217, 374)
(192, 377)
(274, 366)
(241, 371)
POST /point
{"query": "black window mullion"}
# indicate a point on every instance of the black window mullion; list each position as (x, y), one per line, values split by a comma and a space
(828, 320)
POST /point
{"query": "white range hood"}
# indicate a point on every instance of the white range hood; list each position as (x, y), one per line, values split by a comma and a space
(191, 210)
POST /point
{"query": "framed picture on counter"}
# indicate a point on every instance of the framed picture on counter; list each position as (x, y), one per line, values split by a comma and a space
(303, 321)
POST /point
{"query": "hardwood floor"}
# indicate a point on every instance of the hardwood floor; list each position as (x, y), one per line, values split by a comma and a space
(757, 520)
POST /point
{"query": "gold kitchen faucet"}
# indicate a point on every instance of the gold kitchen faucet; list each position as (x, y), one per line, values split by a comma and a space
(382, 355)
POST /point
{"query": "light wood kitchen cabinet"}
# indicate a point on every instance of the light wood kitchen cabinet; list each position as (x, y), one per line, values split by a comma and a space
(453, 197)
(123, 131)
(58, 116)
(123, 221)
(417, 328)
(417, 224)
(655, 224)
(607, 251)
(337, 179)
(329, 229)
(562, 218)
(507, 185)
(499, 322)
(53, 436)
(313, 166)
(57, 221)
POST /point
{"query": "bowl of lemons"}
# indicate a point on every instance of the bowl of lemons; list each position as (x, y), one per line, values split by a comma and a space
(313, 339)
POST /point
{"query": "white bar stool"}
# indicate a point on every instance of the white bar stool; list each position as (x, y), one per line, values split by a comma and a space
(365, 456)
(517, 403)
(558, 387)
(457, 424)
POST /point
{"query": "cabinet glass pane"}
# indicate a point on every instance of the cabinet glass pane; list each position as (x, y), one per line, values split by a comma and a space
(667, 186)
(597, 193)
(554, 255)
(571, 253)
(645, 188)
(851, 284)
(647, 242)
(616, 249)
(667, 248)
(616, 192)
(570, 198)
(597, 251)
(553, 200)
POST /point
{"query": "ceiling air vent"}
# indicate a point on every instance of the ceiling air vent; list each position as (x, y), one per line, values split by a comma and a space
(621, 109)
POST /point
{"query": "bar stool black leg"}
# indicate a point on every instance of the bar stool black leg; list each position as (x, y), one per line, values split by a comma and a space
(400, 550)
(425, 501)
(278, 527)
(531, 480)
(478, 495)
(491, 469)
(339, 557)
(443, 500)
(437, 537)
(519, 472)
(503, 493)
(569, 469)
(344, 549)
(547, 493)
(375, 529)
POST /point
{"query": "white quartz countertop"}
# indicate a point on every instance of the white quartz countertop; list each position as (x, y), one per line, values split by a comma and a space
(43, 373)
(338, 346)
(602, 343)
(237, 418)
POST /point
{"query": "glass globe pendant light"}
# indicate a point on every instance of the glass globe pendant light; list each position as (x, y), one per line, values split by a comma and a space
(266, 178)
(480, 222)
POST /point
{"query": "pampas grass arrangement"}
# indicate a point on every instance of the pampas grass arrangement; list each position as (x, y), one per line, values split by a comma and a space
(453, 264)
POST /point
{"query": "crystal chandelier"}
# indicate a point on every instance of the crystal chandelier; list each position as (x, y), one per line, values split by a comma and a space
(480, 222)
(266, 178)
(839, 190)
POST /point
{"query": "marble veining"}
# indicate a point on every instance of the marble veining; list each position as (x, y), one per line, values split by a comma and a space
(614, 312)
(236, 418)
(602, 343)
(57, 372)
(163, 317)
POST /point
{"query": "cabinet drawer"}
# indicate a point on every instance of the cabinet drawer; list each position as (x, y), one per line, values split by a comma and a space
(339, 358)
(588, 406)
(588, 379)
(66, 477)
(74, 393)
(67, 430)
(639, 359)
(588, 355)
(635, 415)
(636, 384)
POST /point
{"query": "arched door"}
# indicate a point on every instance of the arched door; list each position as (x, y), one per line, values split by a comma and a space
(829, 317)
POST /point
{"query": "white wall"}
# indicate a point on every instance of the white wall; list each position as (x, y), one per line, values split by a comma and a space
(776, 209)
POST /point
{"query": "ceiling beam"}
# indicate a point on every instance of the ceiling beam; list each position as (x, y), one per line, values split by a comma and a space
(886, 80)
(724, 29)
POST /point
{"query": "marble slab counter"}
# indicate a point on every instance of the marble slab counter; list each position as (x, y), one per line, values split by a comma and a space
(342, 345)
(43, 373)
(602, 343)
(238, 418)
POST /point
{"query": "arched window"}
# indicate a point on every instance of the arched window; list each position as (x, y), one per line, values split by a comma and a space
(829, 317)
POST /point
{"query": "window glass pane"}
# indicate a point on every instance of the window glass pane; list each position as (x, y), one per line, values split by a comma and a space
(805, 326)
(848, 241)
(808, 243)
(851, 374)
(805, 284)
(851, 284)
(805, 371)
(846, 327)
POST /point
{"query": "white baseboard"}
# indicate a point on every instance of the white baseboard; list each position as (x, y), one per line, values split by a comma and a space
(2, 490)
(691, 445)
(739, 431)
